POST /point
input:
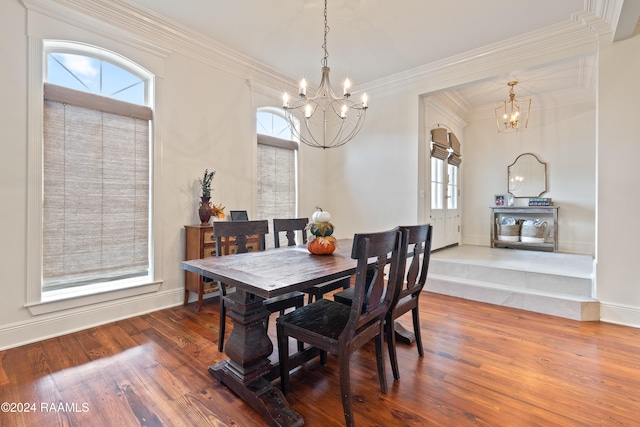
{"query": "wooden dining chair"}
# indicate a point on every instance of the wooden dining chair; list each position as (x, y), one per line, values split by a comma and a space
(290, 226)
(235, 234)
(410, 290)
(339, 329)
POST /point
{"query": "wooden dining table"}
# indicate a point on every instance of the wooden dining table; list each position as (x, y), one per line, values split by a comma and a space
(248, 371)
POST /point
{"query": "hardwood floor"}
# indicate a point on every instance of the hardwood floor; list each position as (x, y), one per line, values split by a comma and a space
(484, 365)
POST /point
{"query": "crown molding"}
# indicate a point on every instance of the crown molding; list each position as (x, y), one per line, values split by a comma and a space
(64, 11)
(578, 36)
(151, 32)
(451, 105)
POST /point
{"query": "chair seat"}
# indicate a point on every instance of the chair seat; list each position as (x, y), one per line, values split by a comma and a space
(316, 292)
(344, 297)
(322, 318)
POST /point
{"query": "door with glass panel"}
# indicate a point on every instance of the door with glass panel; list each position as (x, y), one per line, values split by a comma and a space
(445, 194)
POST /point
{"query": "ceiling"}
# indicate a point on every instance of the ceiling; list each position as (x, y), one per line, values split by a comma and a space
(374, 39)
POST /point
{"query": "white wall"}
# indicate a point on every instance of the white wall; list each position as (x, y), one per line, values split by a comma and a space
(372, 182)
(206, 120)
(618, 286)
(13, 171)
(565, 139)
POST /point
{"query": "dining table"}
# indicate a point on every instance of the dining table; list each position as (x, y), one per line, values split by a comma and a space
(256, 276)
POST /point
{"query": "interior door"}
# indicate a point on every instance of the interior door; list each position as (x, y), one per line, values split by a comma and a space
(444, 213)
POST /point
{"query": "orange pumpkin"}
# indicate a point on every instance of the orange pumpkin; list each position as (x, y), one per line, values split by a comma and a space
(321, 246)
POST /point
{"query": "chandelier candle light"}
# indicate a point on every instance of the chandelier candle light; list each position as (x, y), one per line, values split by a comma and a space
(328, 120)
(512, 115)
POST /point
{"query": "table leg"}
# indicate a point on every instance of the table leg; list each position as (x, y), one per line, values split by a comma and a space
(403, 334)
(248, 348)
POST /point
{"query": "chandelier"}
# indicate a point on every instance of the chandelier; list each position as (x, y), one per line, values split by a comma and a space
(325, 120)
(512, 115)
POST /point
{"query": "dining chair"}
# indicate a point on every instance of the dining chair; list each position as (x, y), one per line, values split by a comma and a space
(235, 234)
(339, 329)
(289, 226)
(410, 290)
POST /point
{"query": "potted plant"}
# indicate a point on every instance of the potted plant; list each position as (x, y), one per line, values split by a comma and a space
(205, 204)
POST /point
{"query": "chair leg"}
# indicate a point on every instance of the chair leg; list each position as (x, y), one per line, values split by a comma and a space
(300, 305)
(223, 318)
(416, 330)
(345, 389)
(390, 334)
(283, 356)
(380, 361)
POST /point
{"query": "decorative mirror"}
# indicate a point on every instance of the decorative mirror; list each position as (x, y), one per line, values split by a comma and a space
(527, 176)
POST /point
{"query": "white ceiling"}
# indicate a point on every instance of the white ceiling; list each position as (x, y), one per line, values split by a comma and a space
(373, 39)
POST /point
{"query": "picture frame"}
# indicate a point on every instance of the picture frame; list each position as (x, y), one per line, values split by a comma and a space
(500, 200)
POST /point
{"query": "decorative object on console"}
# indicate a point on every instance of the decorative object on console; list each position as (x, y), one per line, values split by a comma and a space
(509, 229)
(328, 120)
(532, 231)
(499, 199)
(206, 209)
(540, 201)
(512, 115)
(323, 243)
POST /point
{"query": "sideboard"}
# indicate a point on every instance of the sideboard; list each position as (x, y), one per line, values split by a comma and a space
(546, 213)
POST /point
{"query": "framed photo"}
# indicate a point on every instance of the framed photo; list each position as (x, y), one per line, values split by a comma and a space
(500, 200)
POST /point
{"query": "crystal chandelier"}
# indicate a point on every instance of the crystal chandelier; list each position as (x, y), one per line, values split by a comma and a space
(325, 120)
(512, 115)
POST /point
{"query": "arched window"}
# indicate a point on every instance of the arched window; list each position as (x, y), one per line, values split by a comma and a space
(277, 166)
(96, 167)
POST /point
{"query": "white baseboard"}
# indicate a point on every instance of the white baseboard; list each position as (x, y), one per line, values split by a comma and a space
(620, 314)
(59, 323)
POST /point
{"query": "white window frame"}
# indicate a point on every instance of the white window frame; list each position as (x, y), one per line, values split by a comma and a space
(291, 144)
(37, 301)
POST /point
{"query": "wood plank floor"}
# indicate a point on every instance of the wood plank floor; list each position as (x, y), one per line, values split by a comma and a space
(484, 365)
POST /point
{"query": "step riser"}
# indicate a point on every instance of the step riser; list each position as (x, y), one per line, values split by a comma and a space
(519, 280)
(570, 308)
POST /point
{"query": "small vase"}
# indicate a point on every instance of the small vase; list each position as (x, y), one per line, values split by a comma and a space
(205, 210)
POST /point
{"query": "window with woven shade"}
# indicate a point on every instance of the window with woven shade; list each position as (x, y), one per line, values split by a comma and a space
(96, 170)
(277, 150)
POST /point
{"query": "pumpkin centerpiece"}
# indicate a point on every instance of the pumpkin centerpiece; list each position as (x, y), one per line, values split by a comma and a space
(323, 243)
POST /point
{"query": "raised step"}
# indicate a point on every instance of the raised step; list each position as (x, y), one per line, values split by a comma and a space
(555, 284)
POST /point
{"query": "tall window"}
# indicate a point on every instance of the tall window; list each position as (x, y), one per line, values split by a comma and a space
(437, 183)
(96, 168)
(277, 149)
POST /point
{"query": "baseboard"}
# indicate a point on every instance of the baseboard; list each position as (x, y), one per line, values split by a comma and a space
(39, 328)
(620, 314)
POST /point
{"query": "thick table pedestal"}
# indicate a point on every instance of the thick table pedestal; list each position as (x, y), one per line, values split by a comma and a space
(248, 367)
(403, 335)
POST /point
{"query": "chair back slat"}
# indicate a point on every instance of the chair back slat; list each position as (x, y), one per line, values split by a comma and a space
(290, 226)
(416, 274)
(239, 231)
(385, 248)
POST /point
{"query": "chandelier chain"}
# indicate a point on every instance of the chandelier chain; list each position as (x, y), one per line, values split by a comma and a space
(326, 31)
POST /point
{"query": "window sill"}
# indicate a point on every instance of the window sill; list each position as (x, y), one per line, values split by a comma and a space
(93, 294)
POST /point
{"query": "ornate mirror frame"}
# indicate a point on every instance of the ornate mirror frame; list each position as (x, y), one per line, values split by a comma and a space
(527, 176)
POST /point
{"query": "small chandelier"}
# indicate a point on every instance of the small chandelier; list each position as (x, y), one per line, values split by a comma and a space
(328, 120)
(512, 115)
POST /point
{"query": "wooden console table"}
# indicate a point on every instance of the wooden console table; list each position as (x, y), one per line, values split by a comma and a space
(546, 213)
